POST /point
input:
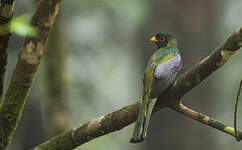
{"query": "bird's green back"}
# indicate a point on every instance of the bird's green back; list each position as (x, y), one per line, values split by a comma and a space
(162, 55)
(159, 57)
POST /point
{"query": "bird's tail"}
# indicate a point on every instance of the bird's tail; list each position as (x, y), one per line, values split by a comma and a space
(143, 120)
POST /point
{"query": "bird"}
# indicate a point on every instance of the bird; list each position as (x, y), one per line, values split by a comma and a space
(161, 71)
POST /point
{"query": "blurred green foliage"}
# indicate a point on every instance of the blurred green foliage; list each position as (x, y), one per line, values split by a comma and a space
(20, 26)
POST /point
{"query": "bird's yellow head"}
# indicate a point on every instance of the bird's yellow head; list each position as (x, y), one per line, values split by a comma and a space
(164, 39)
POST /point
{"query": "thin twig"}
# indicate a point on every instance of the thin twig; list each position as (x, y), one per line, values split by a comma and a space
(206, 120)
(235, 112)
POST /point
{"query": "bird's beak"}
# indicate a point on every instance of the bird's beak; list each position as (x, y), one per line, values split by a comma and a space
(153, 39)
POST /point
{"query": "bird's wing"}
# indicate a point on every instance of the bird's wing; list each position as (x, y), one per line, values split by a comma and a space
(165, 74)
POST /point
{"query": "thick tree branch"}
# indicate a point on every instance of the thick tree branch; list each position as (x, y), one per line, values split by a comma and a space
(92, 129)
(6, 13)
(127, 115)
(207, 120)
(13, 103)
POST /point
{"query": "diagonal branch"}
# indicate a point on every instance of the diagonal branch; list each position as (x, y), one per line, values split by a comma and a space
(235, 112)
(123, 117)
(206, 120)
(12, 105)
(6, 13)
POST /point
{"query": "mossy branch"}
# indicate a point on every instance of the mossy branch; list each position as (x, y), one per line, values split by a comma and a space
(171, 98)
(29, 57)
(6, 13)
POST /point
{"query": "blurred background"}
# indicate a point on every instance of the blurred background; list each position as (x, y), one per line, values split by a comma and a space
(94, 64)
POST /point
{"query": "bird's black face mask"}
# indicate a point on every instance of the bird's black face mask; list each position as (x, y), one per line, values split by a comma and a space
(162, 40)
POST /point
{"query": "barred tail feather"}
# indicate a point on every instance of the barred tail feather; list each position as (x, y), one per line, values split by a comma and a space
(141, 125)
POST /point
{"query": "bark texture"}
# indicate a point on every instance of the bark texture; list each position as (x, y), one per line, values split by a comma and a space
(13, 103)
(6, 13)
(171, 98)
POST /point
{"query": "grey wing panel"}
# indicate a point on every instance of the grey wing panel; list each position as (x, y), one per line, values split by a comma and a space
(165, 74)
(163, 70)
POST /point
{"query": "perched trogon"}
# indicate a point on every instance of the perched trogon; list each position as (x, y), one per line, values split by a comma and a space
(159, 74)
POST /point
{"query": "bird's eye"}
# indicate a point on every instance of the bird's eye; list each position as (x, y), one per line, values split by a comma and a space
(162, 39)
